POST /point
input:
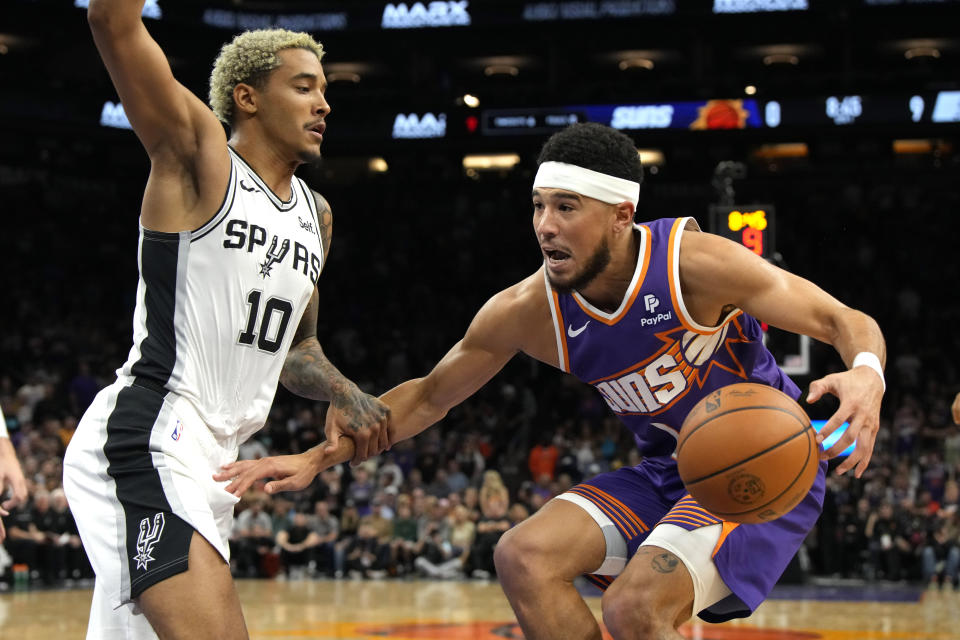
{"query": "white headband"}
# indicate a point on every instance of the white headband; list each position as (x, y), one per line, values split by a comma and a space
(593, 184)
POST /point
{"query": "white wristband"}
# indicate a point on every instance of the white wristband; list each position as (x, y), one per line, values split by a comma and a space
(3, 426)
(867, 359)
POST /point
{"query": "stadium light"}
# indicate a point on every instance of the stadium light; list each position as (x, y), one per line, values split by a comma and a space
(490, 161)
(501, 70)
(780, 58)
(651, 157)
(921, 52)
(635, 63)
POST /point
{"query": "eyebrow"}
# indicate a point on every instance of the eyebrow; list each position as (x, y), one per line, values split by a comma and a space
(558, 195)
(305, 75)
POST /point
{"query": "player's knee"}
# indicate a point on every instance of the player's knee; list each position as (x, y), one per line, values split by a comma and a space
(629, 612)
(517, 555)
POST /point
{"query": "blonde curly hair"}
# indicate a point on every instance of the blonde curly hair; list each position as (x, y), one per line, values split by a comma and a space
(249, 58)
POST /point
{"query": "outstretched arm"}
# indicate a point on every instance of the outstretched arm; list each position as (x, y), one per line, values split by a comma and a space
(308, 373)
(493, 337)
(716, 272)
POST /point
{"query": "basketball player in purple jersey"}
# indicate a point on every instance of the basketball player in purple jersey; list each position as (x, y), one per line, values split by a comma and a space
(654, 316)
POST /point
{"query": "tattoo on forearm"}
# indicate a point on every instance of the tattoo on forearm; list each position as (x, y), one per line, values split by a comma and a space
(664, 562)
(308, 373)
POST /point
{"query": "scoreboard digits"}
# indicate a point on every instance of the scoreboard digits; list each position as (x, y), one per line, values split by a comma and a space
(752, 226)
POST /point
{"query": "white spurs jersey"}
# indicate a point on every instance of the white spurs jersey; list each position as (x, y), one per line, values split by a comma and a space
(217, 308)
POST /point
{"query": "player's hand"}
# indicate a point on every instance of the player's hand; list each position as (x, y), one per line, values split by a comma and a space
(956, 409)
(289, 473)
(362, 418)
(12, 480)
(860, 391)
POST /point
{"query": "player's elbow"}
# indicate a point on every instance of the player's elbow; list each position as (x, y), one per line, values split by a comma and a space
(106, 17)
(99, 15)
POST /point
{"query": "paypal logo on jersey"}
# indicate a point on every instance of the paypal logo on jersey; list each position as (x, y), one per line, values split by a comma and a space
(650, 303)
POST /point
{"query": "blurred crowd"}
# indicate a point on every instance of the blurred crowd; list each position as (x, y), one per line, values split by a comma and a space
(396, 300)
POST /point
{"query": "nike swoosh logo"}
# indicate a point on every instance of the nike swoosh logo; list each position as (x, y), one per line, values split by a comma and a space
(574, 334)
(246, 188)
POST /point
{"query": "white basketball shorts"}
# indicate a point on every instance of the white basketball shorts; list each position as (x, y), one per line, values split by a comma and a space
(138, 477)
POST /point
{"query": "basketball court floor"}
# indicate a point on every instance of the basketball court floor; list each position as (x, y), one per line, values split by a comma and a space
(413, 610)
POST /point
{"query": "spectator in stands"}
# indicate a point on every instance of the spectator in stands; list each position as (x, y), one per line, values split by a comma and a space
(493, 490)
(297, 543)
(361, 490)
(68, 538)
(886, 536)
(366, 556)
(405, 541)
(543, 457)
(457, 480)
(251, 539)
(437, 558)
(490, 527)
(24, 540)
(941, 556)
(327, 528)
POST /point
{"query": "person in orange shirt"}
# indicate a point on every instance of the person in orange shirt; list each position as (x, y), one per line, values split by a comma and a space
(543, 459)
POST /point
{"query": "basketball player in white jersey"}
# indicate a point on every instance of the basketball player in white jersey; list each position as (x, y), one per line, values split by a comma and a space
(11, 476)
(231, 246)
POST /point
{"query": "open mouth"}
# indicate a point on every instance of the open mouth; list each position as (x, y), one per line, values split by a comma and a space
(318, 128)
(555, 256)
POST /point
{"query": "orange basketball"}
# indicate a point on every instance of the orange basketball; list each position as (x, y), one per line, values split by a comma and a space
(747, 453)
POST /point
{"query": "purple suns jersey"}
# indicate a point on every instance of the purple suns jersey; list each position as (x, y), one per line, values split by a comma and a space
(649, 359)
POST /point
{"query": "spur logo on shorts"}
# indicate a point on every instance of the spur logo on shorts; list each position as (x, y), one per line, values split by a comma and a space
(148, 538)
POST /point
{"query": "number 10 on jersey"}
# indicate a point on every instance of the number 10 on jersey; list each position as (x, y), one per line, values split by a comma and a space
(266, 328)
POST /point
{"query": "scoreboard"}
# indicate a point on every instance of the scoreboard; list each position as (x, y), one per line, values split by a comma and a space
(749, 225)
(930, 107)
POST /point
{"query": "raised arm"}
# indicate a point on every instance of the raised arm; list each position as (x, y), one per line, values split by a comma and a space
(179, 132)
(716, 273)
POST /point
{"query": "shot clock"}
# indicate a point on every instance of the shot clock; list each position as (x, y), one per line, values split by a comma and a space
(750, 225)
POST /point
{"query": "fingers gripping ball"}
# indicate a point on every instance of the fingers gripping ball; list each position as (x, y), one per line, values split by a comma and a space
(747, 453)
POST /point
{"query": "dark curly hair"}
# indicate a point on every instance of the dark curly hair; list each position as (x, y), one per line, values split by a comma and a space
(596, 147)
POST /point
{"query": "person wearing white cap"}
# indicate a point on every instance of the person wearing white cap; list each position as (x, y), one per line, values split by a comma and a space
(655, 316)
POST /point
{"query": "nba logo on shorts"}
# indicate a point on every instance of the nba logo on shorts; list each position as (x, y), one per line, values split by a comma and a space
(177, 431)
